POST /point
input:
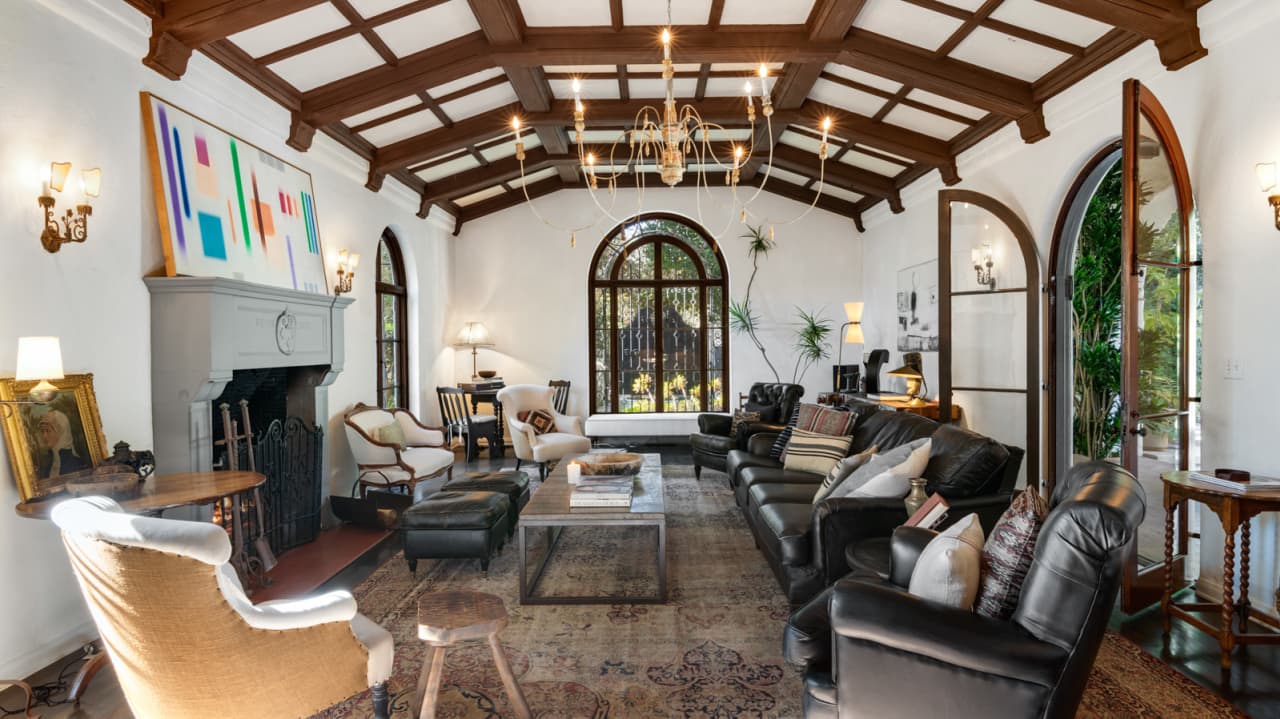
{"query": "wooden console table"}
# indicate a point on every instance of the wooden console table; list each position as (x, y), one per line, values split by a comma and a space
(161, 492)
(1234, 509)
(896, 402)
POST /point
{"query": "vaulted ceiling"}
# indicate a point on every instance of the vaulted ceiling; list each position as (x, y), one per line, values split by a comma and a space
(425, 89)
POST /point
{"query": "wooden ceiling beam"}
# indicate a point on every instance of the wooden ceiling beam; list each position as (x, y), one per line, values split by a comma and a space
(838, 174)
(510, 199)
(1170, 24)
(508, 168)
(791, 191)
(437, 142)
(186, 25)
(973, 85)
(639, 45)
(1010, 29)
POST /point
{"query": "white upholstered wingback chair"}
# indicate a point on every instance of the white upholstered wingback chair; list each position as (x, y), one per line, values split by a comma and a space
(185, 641)
(385, 465)
(567, 439)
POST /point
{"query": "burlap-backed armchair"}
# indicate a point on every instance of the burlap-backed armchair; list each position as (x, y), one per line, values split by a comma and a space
(185, 641)
(567, 439)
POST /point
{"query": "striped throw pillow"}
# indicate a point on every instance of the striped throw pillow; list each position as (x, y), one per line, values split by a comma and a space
(780, 444)
(813, 452)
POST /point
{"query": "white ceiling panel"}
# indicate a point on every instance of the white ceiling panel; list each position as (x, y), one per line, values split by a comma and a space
(540, 13)
(906, 22)
(926, 122)
(462, 83)
(533, 177)
(591, 89)
(866, 78)
(732, 87)
(1050, 21)
(289, 30)
(600, 137)
(840, 193)
(433, 26)
(746, 68)
(369, 8)
(1007, 54)
(478, 102)
(327, 63)
(830, 93)
(741, 135)
(578, 69)
(872, 163)
(679, 67)
(507, 147)
(970, 5)
(402, 128)
(648, 12)
(777, 173)
(382, 111)
(946, 103)
(801, 141)
(684, 88)
(774, 12)
(462, 163)
(484, 194)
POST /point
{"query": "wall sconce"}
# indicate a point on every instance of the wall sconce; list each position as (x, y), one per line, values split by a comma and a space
(984, 265)
(347, 263)
(852, 334)
(74, 225)
(39, 359)
(1266, 172)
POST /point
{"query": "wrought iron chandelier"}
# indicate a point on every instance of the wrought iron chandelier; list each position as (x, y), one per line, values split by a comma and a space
(673, 141)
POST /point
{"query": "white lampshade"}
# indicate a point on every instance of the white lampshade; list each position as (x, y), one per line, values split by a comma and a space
(39, 358)
(474, 334)
(853, 311)
(853, 334)
(1266, 172)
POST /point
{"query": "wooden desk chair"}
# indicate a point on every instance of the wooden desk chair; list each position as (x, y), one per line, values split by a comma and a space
(459, 421)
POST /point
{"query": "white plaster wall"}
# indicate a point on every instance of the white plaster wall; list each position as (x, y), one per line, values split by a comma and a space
(523, 280)
(1224, 108)
(70, 73)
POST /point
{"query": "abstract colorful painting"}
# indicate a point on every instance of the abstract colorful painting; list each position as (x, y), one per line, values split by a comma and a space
(228, 208)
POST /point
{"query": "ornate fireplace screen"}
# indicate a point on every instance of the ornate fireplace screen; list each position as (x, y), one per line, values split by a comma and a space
(288, 453)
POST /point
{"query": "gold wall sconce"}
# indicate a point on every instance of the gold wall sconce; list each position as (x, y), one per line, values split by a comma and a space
(74, 225)
(1266, 172)
(347, 264)
(39, 359)
(984, 265)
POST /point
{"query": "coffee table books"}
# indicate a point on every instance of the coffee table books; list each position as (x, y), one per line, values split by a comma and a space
(602, 492)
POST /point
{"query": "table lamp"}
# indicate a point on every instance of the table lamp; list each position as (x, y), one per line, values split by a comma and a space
(473, 335)
(852, 331)
(915, 383)
(39, 359)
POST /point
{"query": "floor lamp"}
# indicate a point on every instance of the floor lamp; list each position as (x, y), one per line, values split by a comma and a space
(852, 331)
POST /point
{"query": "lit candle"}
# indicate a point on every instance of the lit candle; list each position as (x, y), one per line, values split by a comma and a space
(515, 126)
(764, 77)
(826, 128)
(746, 88)
(666, 43)
(577, 93)
(574, 472)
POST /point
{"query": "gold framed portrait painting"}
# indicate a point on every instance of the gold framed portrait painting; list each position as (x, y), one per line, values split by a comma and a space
(47, 441)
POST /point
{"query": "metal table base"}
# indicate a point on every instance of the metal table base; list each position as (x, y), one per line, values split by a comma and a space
(528, 585)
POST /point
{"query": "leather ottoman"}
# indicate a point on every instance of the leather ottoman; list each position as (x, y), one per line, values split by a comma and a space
(514, 484)
(456, 525)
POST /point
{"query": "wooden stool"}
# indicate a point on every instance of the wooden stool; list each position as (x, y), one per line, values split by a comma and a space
(448, 618)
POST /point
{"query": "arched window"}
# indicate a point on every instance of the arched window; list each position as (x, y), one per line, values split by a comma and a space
(393, 330)
(659, 296)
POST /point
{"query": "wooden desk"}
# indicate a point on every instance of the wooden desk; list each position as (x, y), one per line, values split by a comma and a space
(1234, 509)
(898, 403)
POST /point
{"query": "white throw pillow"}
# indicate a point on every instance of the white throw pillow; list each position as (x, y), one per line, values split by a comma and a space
(874, 467)
(895, 482)
(843, 469)
(949, 570)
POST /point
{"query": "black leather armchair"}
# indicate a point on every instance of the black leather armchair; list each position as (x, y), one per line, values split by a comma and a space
(871, 650)
(775, 401)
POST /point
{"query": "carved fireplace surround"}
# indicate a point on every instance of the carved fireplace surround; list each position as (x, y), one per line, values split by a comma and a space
(204, 329)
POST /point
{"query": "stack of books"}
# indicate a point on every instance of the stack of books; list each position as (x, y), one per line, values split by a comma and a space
(1253, 484)
(602, 492)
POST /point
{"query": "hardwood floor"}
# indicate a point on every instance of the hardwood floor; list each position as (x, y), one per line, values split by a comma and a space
(1253, 684)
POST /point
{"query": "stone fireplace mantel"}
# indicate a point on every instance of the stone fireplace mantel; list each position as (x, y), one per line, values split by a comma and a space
(203, 329)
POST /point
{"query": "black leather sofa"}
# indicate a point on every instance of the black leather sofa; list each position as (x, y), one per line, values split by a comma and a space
(775, 401)
(806, 544)
(869, 649)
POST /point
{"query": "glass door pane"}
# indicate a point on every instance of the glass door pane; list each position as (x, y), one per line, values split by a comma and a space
(637, 350)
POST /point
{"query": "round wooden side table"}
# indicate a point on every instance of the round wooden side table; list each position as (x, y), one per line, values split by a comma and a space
(449, 618)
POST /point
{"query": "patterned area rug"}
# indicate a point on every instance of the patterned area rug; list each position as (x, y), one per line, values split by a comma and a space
(714, 650)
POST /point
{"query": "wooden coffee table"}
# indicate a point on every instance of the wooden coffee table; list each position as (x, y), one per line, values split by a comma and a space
(549, 508)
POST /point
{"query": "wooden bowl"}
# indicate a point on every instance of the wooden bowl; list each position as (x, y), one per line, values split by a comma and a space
(488, 373)
(108, 481)
(617, 464)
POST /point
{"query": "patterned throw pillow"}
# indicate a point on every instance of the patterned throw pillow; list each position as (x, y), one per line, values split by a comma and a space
(1007, 555)
(390, 434)
(542, 421)
(780, 444)
(822, 420)
(740, 418)
(842, 470)
(814, 452)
